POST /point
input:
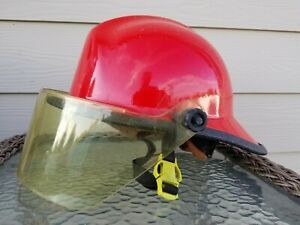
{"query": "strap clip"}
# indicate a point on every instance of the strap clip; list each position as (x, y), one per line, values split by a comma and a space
(168, 176)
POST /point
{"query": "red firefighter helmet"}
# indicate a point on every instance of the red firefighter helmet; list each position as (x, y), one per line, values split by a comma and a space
(149, 65)
(144, 86)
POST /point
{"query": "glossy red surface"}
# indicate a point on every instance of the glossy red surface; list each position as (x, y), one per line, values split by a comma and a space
(149, 65)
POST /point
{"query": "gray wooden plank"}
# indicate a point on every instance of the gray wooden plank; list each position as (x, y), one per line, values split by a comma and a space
(15, 113)
(290, 160)
(45, 55)
(250, 14)
(272, 119)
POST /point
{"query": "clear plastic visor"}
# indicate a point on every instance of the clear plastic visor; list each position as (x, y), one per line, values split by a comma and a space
(77, 153)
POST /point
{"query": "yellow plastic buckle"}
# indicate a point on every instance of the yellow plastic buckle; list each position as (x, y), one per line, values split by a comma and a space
(167, 174)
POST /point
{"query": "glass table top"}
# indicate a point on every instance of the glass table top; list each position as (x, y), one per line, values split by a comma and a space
(212, 192)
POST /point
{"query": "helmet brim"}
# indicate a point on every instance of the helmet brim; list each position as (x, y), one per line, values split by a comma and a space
(229, 131)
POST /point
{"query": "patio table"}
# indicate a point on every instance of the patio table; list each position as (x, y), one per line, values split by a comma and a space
(212, 192)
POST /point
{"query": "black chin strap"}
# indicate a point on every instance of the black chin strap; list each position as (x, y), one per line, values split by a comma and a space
(144, 177)
(166, 174)
(147, 179)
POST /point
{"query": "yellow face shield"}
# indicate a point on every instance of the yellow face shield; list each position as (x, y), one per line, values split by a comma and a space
(77, 152)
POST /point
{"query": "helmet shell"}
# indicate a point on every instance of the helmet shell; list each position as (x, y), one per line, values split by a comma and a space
(149, 65)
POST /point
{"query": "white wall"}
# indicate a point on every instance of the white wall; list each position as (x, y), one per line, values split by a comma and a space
(40, 43)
